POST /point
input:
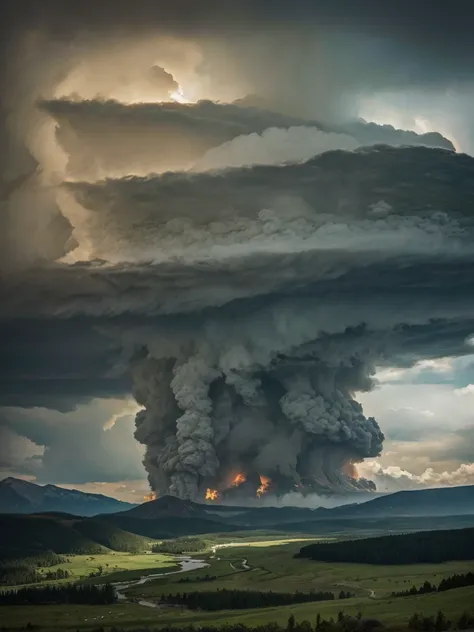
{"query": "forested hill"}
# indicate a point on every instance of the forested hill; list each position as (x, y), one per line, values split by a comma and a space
(33, 534)
(410, 548)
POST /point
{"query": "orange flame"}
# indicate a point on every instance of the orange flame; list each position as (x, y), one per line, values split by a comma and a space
(264, 485)
(150, 496)
(212, 494)
(238, 480)
(350, 470)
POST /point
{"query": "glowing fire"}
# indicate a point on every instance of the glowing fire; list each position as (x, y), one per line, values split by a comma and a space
(350, 470)
(150, 496)
(238, 480)
(264, 485)
(212, 494)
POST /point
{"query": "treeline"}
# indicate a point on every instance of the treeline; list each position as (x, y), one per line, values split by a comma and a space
(31, 557)
(194, 580)
(454, 581)
(24, 570)
(411, 548)
(343, 623)
(439, 623)
(180, 545)
(226, 599)
(47, 595)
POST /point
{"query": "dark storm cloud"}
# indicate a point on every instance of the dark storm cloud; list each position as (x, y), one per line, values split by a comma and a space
(63, 395)
(342, 46)
(334, 223)
(108, 136)
(56, 365)
(418, 22)
(340, 183)
(280, 290)
(248, 305)
(339, 51)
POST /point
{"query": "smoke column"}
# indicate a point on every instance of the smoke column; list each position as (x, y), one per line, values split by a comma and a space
(205, 420)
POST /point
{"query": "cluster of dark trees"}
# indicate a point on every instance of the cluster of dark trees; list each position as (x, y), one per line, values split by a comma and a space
(179, 546)
(410, 548)
(454, 581)
(421, 623)
(193, 580)
(343, 623)
(60, 573)
(72, 593)
(24, 570)
(241, 599)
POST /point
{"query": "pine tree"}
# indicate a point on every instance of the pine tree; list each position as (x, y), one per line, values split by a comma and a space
(291, 624)
(441, 623)
(414, 621)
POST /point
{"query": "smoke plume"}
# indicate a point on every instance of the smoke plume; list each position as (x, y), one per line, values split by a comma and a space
(208, 419)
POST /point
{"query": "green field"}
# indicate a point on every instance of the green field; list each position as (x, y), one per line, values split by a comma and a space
(276, 569)
(272, 567)
(54, 618)
(116, 567)
(279, 541)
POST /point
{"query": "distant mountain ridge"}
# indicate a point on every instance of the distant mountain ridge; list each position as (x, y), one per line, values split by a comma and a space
(23, 497)
(54, 528)
(414, 503)
(440, 501)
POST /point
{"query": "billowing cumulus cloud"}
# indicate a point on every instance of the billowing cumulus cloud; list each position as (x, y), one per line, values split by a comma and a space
(393, 478)
(273, 146)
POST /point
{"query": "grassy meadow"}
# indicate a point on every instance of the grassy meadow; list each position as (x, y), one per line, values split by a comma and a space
(272, 566)
(115, 567)
(275, 568)
(390, 611)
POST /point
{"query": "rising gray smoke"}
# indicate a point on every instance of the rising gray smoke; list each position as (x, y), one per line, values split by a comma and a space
(204, 423)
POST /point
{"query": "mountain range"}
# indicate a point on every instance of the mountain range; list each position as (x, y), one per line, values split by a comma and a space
(22, 497)
(61, 520)
(446, 501)
(442, 501)
(169, 515)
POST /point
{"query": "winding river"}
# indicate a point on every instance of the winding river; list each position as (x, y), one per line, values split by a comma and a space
(186, 564)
